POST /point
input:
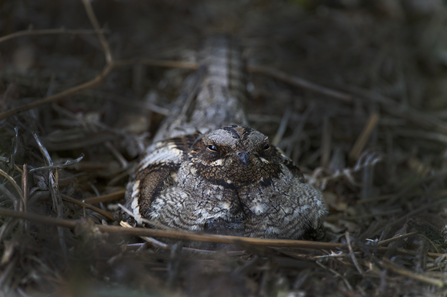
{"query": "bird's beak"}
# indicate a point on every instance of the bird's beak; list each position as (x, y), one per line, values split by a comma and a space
(243, 155)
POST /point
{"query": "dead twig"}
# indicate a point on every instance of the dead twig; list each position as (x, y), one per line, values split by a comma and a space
(365, 160)
(11, 197)
(106, 198)
(110, 65)
(6, 160)
(282, 127)
(351, 253)
(363, 137)
(66, 164)
(177, 235)
(83, 204)
(92, 17)
(70, 92)
(302, 83)
(153, 241)
(79, 88)
(182, 235)
(412, 213)
(53, 186)
(348, 285)
(13, 182)
(52, 175)
(168, 64)
(389, 240)
(393, 267)
(48, 32)
(438, 175)
(402, 111)
(25, 187)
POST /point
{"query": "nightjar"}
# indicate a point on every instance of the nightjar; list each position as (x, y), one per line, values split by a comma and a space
(208, 171)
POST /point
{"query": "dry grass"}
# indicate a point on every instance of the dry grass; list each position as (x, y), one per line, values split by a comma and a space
(355, 95)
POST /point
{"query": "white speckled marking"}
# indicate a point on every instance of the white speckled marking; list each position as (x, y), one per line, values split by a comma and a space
(264, 160)
(217, 163)
(135, 207)
(162, 155)
(258, 208)
(225, 205)
(193, 171)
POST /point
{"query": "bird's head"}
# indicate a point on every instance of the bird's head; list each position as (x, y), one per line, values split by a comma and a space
(235, 155)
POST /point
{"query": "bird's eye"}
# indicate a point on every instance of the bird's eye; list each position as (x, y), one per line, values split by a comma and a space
(212, 148)
(266, 146)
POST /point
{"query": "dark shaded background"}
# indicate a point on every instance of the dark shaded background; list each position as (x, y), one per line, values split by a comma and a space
(388, 56)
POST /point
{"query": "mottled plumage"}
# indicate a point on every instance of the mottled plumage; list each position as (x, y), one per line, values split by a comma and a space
(212, 173)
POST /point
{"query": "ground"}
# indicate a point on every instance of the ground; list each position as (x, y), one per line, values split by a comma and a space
(353, 91)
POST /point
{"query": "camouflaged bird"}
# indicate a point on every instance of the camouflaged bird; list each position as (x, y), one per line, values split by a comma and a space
(208, 171)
